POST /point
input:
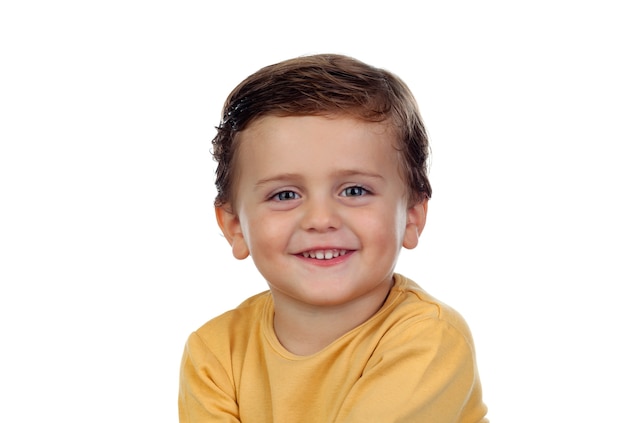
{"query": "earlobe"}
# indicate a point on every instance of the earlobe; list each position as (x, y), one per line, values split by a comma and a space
(415, 222)
(231, 228)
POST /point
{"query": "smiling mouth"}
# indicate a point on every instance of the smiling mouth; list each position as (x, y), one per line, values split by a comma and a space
(324, 254)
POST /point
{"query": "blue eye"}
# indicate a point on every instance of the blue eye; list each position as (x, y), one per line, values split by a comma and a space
(285, 196)
(354, 191)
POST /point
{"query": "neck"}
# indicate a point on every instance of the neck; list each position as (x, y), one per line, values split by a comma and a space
(304, 329)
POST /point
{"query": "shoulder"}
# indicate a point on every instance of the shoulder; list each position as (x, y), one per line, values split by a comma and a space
(415, 311)
(247, 313)
(233, 325)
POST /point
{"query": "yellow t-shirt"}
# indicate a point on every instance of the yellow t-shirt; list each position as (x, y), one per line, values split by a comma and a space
(413, 361)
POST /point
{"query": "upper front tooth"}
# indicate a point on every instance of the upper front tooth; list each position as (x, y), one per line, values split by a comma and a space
(324, 254)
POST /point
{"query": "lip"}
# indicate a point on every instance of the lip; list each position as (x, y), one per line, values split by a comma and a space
(340, 255)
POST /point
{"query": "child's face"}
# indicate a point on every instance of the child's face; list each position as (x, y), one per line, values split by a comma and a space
(320, 206)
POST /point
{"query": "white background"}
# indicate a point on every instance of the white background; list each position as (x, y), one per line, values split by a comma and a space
(109, 254)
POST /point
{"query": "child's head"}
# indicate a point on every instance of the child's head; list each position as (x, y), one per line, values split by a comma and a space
(324, 85)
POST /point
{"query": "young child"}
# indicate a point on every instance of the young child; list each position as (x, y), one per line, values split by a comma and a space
(322, 179)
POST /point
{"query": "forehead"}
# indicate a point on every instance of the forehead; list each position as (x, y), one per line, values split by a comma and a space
(277, 141)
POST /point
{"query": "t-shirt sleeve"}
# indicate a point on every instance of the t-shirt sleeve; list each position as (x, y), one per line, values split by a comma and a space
(422, 371)
(206, 392)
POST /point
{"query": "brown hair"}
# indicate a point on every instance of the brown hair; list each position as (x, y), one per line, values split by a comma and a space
(324, 84)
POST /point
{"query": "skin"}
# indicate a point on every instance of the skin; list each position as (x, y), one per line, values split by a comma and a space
(320, 186)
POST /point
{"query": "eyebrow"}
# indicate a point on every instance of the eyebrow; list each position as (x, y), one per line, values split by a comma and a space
(297, 177)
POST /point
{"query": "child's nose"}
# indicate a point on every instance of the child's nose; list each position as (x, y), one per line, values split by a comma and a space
(320, 215)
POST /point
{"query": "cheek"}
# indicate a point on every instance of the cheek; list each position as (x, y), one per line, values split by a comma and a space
(264, 233)
(397, 220)
(378, 227)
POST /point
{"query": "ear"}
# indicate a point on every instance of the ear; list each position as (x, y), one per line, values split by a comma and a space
(231, 228)
(415, 222)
